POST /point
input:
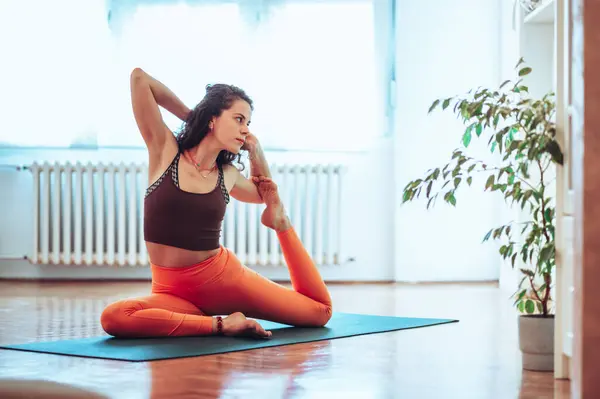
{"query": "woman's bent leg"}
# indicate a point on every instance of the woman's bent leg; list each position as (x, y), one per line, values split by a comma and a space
(157, 315)
(261, 298)
(241, 289)
(304, 275)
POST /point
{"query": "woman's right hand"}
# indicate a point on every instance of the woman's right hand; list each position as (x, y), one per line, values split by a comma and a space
(236, 324)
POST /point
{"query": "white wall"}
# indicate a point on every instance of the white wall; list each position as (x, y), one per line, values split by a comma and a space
(443, 48)
(510, 54)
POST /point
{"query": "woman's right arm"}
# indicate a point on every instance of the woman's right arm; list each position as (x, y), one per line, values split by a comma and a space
(147, 94)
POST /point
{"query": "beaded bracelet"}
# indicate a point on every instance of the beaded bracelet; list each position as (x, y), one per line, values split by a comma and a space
(219, 325)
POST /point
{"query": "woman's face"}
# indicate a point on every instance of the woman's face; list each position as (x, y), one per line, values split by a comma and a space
(231, 128)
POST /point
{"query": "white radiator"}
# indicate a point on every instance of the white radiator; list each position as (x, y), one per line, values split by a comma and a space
(92, 214)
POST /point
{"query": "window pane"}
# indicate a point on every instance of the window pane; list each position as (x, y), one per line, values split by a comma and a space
(309, 66)
(314, 86)
(52, 52)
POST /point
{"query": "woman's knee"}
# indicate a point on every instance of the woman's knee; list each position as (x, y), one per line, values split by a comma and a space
(113, 318)
(321, 316)
(327, 313)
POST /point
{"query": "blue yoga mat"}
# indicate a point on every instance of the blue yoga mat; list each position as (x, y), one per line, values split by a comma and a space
(341, 325)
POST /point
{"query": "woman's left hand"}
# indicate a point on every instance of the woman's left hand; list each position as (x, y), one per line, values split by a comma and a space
(251, 143)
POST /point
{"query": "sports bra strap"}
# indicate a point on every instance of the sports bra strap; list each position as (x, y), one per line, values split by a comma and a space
(222, 185)
(174, 169)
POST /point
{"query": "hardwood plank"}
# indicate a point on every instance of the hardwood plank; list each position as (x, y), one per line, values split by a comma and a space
(475, 358)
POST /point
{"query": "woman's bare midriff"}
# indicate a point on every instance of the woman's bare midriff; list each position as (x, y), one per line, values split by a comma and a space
(167, 256)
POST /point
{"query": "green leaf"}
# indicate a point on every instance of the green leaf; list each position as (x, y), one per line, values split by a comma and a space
(488, 235)
(540, 307)
(503, 250)
(526, 196)
(416, 183)
(429, 188)
(546, 253)
(521, 306)
(433, 106)
(494, 144)
(429, 202)
(521, 60)
(457, 182)
(466, 139)
(446, 103)
(496, 119)
(490, 182)
(469, 180)
(529, 306)
(504, 83)
(449, 197)
(478, 129)
(498, 232)
(453, 200)
(548, 215)
(519, 296)
(525, 71)
(527, 272)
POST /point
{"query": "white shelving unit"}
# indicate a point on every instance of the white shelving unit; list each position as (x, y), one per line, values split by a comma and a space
(545, 13)
(544, 43)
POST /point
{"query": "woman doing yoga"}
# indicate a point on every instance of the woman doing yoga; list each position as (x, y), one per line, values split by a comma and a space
(198, 286)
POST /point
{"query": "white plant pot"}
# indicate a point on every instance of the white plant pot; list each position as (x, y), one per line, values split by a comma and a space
(536, 340)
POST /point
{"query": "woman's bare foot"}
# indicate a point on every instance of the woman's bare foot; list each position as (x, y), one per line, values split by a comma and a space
(236, 324)
(274, 216)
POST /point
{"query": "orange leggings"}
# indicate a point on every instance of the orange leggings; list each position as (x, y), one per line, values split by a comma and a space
(183, 299)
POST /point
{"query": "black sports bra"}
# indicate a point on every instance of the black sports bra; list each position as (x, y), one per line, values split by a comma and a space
(183, 219)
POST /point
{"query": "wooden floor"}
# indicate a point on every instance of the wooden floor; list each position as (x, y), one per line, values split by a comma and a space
(475, 358)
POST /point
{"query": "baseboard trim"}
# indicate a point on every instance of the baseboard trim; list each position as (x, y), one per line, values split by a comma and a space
(21, 270)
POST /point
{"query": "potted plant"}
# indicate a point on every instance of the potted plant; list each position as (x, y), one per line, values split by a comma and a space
(522, 136)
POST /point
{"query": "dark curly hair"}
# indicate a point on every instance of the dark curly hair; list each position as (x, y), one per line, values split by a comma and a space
(218, 98)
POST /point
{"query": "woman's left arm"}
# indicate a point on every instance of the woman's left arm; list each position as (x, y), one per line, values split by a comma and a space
(258, 162)
(244, 189)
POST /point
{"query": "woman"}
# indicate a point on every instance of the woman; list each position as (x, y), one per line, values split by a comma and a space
(195, 280)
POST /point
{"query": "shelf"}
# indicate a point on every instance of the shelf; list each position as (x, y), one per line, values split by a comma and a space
(543, 14)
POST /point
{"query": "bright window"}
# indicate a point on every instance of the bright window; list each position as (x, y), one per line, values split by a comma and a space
(311, 68)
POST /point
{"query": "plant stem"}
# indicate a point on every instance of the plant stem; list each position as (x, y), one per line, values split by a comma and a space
(534, 290)
(548, 281)
(516, 175)
(544, 224)
(547, 278)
